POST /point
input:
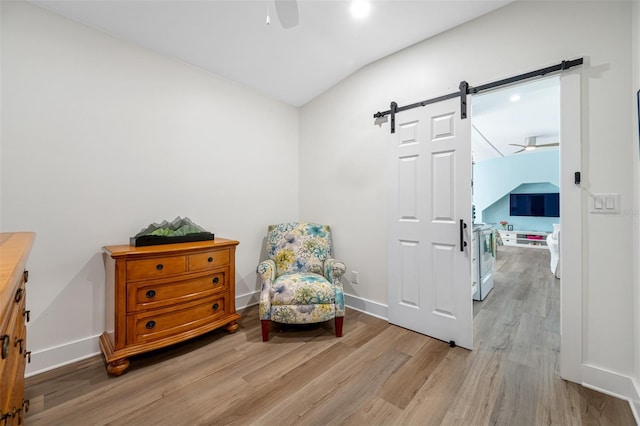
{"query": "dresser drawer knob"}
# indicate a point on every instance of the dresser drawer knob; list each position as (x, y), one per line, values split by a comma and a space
(216, 280)
(150, 324)
(19, 294)
(215, 307)
(6, 339)
(210, 259)
(159, 266)
(27, 355)
(27, 315)
(25, 405)
(151, 294)
(25, 276)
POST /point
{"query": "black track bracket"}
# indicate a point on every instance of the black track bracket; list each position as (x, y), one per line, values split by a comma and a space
(464, 91)
(393, 109)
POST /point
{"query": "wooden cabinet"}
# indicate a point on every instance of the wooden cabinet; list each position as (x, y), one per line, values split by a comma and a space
(14, 251)
(164, 294)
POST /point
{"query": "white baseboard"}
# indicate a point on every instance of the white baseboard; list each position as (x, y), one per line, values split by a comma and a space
(59, 356)
(248, 299)
(634, 400)
(369, 307)
(607, 382)
(613, 384)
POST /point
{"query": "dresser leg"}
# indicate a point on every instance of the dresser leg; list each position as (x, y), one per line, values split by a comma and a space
(232, 326)
(117, 367)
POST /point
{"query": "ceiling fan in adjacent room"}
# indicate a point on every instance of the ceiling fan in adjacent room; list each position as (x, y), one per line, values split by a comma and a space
(287, 11)
(531, 144)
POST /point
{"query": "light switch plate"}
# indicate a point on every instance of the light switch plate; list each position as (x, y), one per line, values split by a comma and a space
(605, 204)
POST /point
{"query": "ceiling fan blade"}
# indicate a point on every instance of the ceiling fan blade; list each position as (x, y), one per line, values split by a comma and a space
(515, 144)
(518, 151)
(287, 11)
(549, 144)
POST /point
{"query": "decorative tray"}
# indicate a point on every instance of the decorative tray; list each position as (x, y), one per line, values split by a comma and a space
(178, 231)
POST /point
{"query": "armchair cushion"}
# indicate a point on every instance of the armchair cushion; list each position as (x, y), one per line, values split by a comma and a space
(302, 288)
(298, 247)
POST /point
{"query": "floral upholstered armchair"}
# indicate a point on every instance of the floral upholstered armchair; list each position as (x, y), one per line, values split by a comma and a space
(300, 281)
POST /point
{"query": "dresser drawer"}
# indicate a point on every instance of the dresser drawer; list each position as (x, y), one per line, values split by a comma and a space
(161, 323)
(8, 349)
(155, 268)
(208, 260)
(145, 295)
(16, 378)
(12, 365)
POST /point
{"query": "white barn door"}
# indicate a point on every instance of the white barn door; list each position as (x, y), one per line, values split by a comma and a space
(429, 269)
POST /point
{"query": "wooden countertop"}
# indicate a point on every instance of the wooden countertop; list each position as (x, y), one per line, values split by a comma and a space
(14, 251)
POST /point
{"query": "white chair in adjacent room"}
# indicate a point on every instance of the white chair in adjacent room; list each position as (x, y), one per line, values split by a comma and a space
(553, 243)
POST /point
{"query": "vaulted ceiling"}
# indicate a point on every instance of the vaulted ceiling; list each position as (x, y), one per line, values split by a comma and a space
(232, 39)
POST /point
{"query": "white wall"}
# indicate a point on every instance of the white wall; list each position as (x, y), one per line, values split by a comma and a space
(343, 156)
(635, 54)
(101, 138)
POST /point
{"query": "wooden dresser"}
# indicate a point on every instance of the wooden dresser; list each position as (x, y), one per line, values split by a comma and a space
(14, 251)
(164, 294)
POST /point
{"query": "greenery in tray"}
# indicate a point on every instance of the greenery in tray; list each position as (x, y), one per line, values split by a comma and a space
(177, 228)
(183, 230)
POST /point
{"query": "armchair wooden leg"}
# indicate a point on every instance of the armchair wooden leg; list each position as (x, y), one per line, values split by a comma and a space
(265, 330)
(339, 322)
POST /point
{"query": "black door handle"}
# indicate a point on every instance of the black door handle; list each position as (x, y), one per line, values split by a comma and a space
(463, 243)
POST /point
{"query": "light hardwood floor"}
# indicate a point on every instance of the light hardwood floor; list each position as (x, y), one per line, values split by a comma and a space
(376, 374)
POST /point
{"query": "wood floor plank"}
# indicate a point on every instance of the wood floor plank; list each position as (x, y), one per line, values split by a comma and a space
(268, 391)
(479, 390)
(374, 411)
(376, 374)
(343, 397)
(402, 386)
(517, 397)
(360, 366)
(431, 403)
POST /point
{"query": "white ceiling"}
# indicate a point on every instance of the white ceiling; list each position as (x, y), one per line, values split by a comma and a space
(231, 38)
(498, 121)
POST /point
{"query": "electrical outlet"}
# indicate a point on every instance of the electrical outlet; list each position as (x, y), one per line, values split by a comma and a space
(354, 277)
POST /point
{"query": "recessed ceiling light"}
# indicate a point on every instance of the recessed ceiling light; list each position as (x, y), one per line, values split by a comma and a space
(360, 8)
(514, 98)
